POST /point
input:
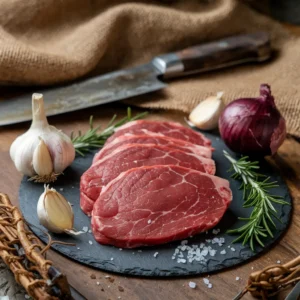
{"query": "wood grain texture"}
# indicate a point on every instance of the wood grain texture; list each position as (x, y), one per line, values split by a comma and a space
(225, 286)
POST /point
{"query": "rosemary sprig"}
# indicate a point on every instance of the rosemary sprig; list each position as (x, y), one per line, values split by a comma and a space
(256, 194)
(83, 143)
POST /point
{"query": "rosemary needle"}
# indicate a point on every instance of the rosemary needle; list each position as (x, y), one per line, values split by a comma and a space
(255, 194)
(83, 143)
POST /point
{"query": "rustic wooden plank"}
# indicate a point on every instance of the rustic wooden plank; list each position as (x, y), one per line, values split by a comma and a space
(224, 284)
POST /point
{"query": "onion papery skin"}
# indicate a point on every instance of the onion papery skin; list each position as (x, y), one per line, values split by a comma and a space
(253, 126)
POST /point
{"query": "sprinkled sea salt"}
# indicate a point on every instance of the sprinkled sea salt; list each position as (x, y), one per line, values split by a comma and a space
(232, 249)
(111, 258)
(85, 228)
(140, 250)
(216, 231)
(78, 248)
(26, 297)
(155, 254)
(278, 261)
(192, 284)
(61, 189)
(90, 242)
(120, 249)
(90, 231)
(98, 283)
(209, 285)
(223, 252)
(206, 281)
(237, 278)
(107, 276)
(149, 221)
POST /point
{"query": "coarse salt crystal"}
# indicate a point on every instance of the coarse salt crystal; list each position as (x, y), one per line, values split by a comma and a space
(232, 249)
(98, 283)
(237, 278)
(140, 250)
(184, 242)
(212, 252)
(61, 189)
(206, 281)
(78, 248)
(85, 228)
(223, 252)
(209, 285)
(119, 297)
(149, 221)
(90, 242)
(111, 258)
(192, 284)
(120, 249)
(216, 231)
(107, 276)
(155, 254)
(26, 297)
(90, 231)
(278, 261)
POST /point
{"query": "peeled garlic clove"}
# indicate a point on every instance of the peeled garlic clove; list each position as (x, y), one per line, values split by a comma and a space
(206, 114)
(54, 211)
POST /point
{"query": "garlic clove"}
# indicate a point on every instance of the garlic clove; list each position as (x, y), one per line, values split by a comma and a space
(60, 143)
(54, 211)
(206, 114)
(42, 161)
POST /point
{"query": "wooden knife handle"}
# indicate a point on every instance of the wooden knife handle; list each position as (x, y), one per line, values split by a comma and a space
(255, 47)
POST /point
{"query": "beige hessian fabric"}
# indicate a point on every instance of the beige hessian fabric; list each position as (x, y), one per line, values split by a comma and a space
(50, 41)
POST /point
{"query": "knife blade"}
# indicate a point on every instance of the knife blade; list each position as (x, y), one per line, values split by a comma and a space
(141, 79)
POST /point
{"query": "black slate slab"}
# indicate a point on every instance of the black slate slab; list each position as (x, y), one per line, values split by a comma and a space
(142, 261)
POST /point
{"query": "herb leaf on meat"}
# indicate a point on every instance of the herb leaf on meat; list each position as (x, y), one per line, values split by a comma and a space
(83, 143)
(257, 195)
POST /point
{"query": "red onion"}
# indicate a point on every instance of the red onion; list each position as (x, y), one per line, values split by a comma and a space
(253, 126)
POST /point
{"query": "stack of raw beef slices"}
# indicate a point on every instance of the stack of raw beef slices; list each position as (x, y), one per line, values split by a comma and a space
(153, 182)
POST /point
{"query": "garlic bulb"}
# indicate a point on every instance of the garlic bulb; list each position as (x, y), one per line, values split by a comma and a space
(54, 212)
(206, 114)
(43, 152)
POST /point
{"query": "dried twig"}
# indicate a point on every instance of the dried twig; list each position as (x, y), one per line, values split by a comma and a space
(24, 253)
(272, 279)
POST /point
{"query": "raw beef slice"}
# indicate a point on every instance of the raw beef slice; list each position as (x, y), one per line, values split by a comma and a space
(153, 205)
(153, 139)
(170, 129)
(132, 156)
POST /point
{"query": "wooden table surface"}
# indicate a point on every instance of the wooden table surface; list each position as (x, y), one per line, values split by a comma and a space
(225, 285)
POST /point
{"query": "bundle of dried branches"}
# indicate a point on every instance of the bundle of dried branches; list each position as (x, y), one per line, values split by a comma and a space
(272, 279)
(23, 252)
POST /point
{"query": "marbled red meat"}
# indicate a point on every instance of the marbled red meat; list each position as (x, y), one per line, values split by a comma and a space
(170, 129)
(153, 205)
(131, 156)
(153, 138)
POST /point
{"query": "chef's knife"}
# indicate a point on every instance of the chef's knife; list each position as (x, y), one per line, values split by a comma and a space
(141, 79)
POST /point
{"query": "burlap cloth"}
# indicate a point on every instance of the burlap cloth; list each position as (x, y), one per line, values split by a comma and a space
(51, 41)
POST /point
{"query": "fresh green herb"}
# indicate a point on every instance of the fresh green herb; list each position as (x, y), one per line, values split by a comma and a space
(83, 143)
(256, 194)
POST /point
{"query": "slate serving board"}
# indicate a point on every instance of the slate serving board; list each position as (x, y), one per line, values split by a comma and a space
(142, 261)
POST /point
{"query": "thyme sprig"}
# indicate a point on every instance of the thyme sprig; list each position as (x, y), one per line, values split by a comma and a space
(84, 143)
(256, 194)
